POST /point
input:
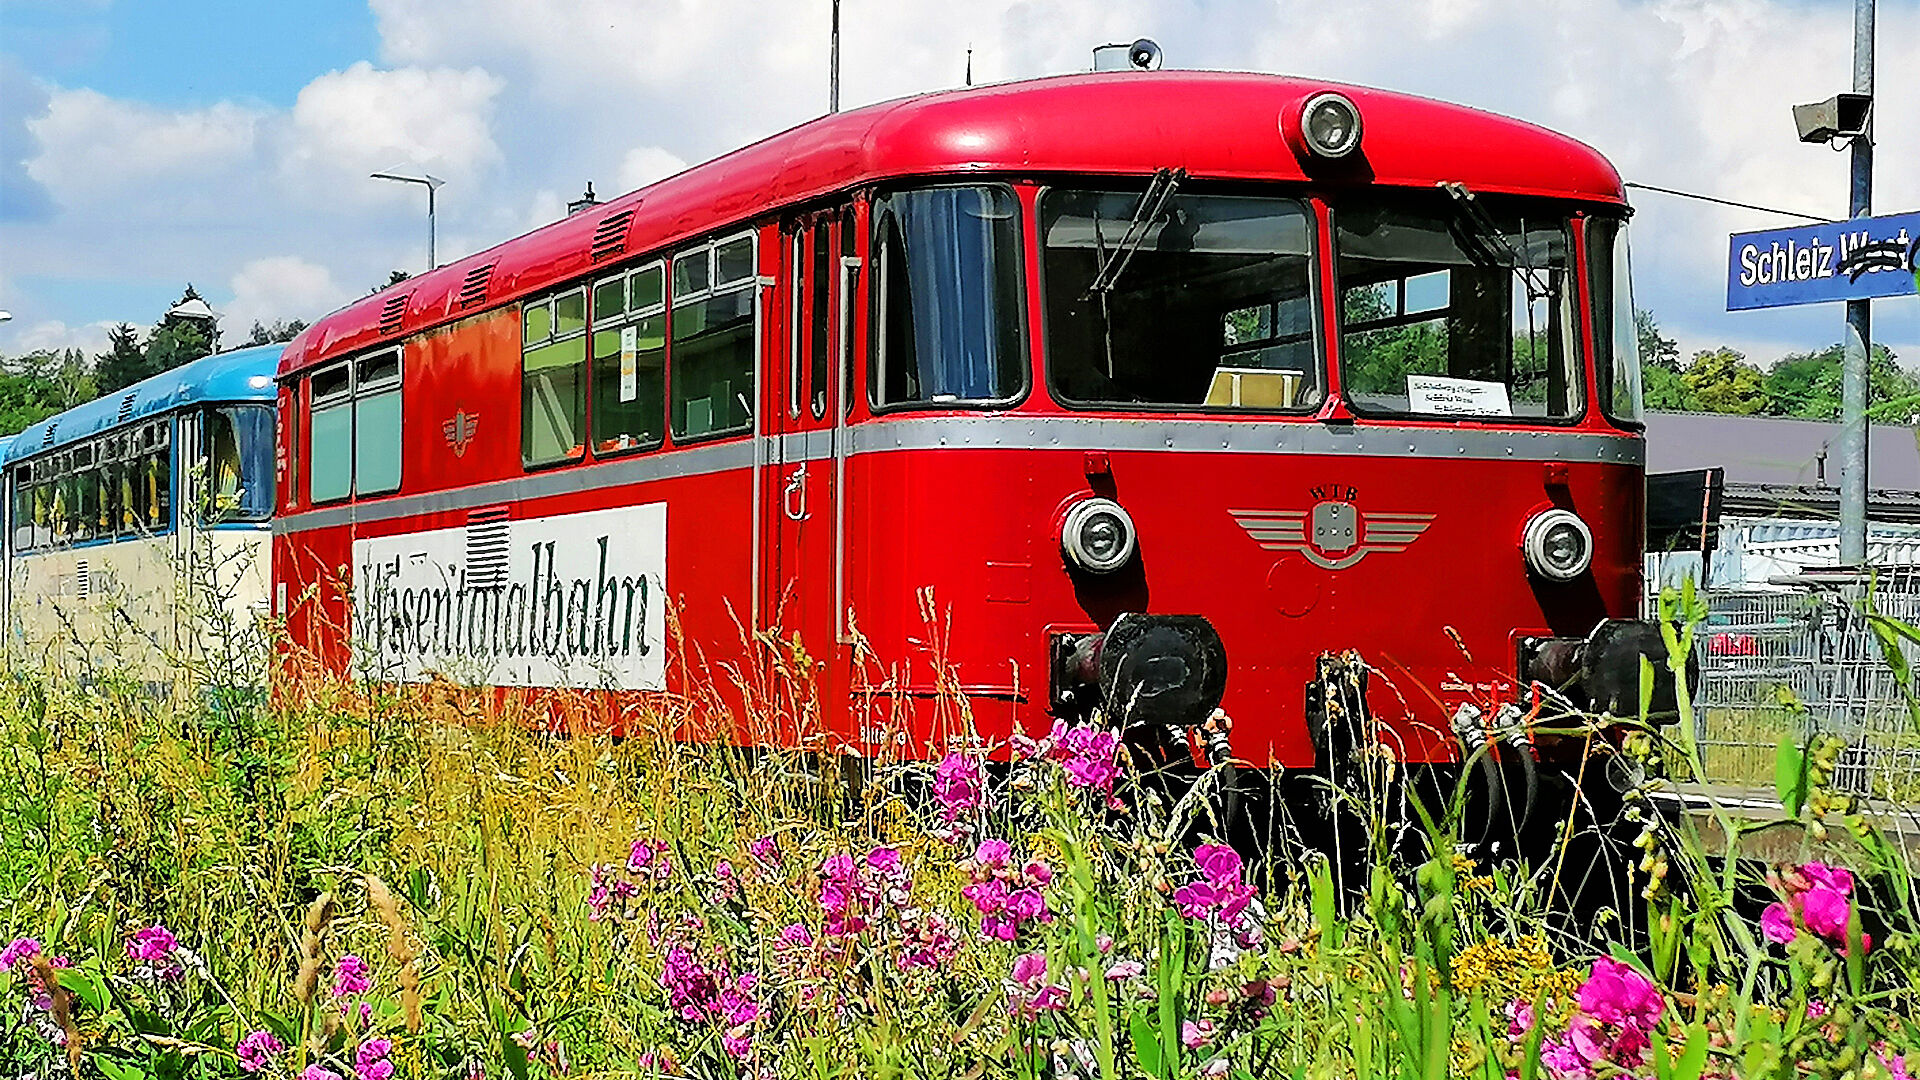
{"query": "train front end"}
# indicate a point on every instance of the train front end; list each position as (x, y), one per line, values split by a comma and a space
(1370, 388)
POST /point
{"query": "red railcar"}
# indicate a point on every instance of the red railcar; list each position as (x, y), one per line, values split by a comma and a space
(1125, 390)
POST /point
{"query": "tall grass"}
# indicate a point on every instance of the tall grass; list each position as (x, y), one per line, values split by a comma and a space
(203, 881)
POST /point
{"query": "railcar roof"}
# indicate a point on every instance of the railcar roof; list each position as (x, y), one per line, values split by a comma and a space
(1215, 125)
(244, 374)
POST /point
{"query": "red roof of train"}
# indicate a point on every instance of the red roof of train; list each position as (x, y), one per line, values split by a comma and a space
(1215, 125)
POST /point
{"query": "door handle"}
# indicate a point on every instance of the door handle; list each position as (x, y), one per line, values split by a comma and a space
(793, 498)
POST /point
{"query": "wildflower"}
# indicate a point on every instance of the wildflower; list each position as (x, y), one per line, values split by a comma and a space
(765, 851)
(992, 854)
(350, 976)
(1194, 1035)
(319, 1072)
(1126, 969)
(1818, 898)
(1617, 1009)
(153, 945)
(1088, 754)
(957, 786)
(18, 951)
(257, 1049)
(649, 860)
(1220, 897)
(371, 1062)
(928, 940)
(1007, 899)
(796, 936)
(1519, 1019)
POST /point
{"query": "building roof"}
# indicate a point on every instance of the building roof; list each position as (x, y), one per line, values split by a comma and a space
(1215, 125)
(240, 375)
(1778, 451)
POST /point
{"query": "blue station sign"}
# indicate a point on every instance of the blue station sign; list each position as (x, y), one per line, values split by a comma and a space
(1840, 260)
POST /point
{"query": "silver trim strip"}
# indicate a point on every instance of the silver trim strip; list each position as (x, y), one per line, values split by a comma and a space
(1010, 431)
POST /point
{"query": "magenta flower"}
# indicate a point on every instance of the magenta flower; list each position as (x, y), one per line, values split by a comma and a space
(992, 854)
(1007, 899)
(371, 1062)
(1220, 898)
(257, 1049)
(1817, 898)
(957, 786)
(153, 945)
(19, 951)
(1617, 994)
(650, 860)
(1195, 1034)
(351, 976)
(1126, 969)
(796, 936)
(1027, 986)
(1029, 968)
(1519, 1019)
(1777, 924)
(1218, 863)
(1088, 756)
(765, 851)
(319, 1072)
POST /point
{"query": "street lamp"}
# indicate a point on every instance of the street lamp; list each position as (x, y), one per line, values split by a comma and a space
(431, 183)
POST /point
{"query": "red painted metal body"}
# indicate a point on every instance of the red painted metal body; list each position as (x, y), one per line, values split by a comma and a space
(955, 513)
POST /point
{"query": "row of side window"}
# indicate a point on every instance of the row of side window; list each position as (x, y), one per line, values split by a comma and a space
(599, 370)
(118, 485)
(353, 434)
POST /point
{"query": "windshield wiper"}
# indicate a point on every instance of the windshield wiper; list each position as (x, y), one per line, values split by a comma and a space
(1491, 246)
(1159, 192)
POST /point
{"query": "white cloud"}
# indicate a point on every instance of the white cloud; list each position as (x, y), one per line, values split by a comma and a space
(353, 121)
(278, 287)
(645, 164)
(54, 335)
(92, 145)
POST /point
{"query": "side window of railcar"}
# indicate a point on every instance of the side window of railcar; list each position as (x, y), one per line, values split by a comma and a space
(330, 434)
(376, 423)
(630, 360)
(712, 327)
(946, 297)
(1454, 310)
(553, 378)
(238, 443)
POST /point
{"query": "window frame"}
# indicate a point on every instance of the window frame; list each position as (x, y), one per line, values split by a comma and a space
(349, 396)
(876, 292)
(629, 316)
(1316, 306)
(709, 249)
(1572, 290)
(550, 302)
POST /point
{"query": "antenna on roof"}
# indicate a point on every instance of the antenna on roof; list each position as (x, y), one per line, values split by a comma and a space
(833, 64)
(969, 65)
(586, 200)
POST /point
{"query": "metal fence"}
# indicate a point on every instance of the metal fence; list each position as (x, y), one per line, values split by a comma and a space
(1800, 661)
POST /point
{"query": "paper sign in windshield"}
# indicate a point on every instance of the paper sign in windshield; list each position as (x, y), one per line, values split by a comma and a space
(1457, 397)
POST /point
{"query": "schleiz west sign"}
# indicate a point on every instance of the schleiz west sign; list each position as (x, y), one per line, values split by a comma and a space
(1858, 259)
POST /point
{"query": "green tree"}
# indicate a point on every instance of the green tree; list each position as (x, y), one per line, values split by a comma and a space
(1656, 349)
(39, 384)
(1722, 381)
(280, 330)
(1807, 385)
(125, 361)
(1665, 390)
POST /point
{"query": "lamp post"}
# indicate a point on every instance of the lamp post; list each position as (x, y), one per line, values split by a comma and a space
(431, 183)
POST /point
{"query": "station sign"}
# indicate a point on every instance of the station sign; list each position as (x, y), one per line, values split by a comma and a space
(1858, 259)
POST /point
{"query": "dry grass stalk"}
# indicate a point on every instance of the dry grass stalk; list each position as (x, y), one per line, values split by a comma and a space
(399, 948)
(319, 914)
(62, 1007)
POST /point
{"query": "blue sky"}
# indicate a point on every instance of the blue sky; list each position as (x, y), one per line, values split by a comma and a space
(146, 144)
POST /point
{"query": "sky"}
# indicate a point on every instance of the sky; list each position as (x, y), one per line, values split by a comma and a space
(148, 144)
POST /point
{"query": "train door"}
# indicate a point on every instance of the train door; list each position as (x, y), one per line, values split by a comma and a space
(807, 432)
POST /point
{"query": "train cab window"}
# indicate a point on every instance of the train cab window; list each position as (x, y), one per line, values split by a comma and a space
(1616, 338)
(157, 475)
(238, 443)
(553, 379)
(1452, 308)
(629, 361)
(946, 297)
(711, 323)
(1163, 299)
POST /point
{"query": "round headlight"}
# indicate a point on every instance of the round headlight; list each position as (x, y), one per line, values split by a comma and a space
(1097, 535)
(1330, 124)
(1558, 545)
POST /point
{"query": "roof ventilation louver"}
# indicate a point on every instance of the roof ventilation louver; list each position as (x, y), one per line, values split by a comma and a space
(47, 439)
(392, 312)
(473, 291)
(610, 237)
(126, 409)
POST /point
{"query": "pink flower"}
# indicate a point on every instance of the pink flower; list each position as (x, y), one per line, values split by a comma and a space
(1825, 910)
(650, 860)
(371, 1062)
(957, 786)
(1126, 969)
(1218, 863)
(155, 944)
(1617, 994)
(796, 936)
(992, 854)
(1777, 924)
(765, 851)
(1195, 1034)
(257, 1049)
(1836, 878)
(19, 951)
(1087, 754)
(350, 976)
(319, 1072)
(1029, 968)
(1519, 1019)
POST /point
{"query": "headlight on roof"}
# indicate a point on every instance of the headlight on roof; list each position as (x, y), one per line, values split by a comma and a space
(1558, 545)
(1330, 124)
(1097, 535)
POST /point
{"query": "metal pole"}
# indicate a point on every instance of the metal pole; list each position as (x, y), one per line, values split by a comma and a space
(1859, 339)
(833, 81)
(433, 263)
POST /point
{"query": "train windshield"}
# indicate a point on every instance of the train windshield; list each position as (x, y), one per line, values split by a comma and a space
(1449, 308)
(238, 441)
(1175, 300)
